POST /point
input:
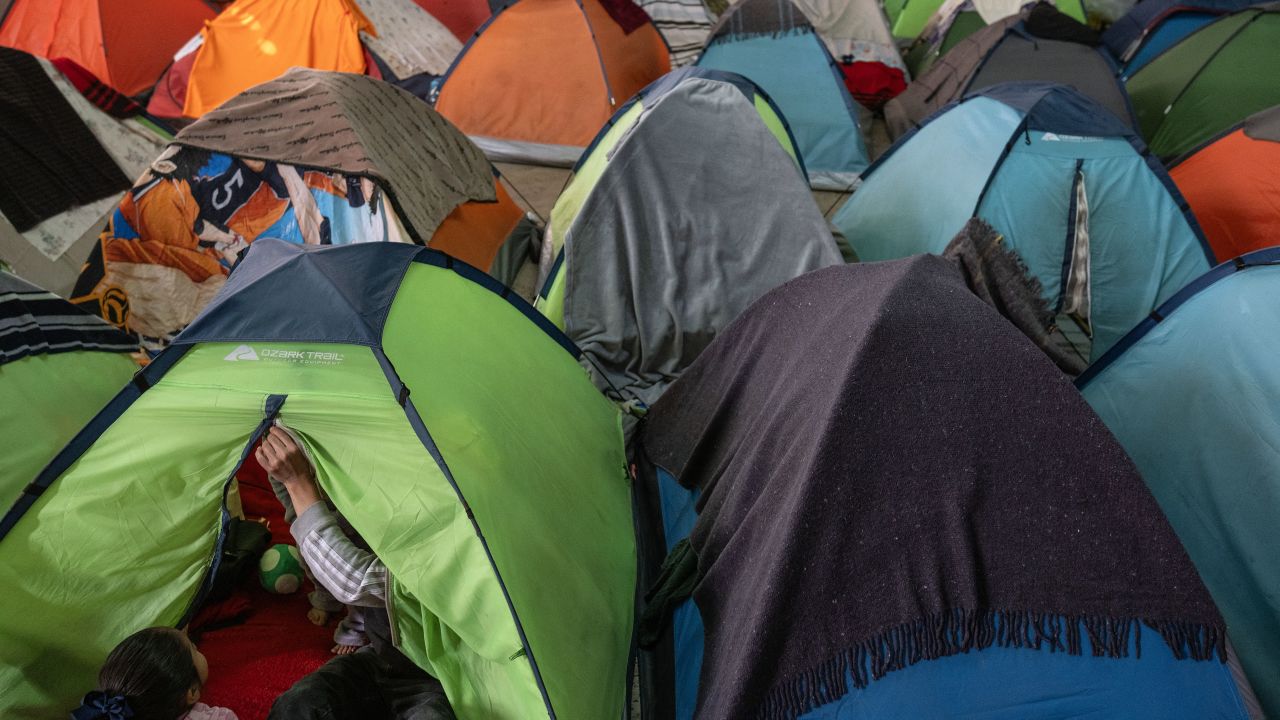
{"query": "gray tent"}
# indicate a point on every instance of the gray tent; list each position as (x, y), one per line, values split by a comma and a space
(689, 206)
(1039, 44)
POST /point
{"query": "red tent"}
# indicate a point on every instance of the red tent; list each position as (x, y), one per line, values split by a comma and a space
(126, 44)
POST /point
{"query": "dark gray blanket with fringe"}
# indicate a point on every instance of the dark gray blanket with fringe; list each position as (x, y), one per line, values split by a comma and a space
(891, 473)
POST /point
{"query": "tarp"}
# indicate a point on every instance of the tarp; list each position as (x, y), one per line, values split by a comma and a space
(1209, 81)
(665, 239)
(828, 563)
(854, 30)
(124, 43)
(1094, 217)
(538, 81)
(409, 40)
(684, 24)
(450, 425)
(312, 157)
(58, 367)
(1190, 395)
(52, 162)
(254, 41)
(1233, 186)
(356, 126)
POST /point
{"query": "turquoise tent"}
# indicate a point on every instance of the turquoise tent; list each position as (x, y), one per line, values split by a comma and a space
(773, 44)
(1095, 218)
(1192, 394)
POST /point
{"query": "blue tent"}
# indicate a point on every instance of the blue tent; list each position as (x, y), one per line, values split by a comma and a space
(1192, 396)
(772, 43)
(1095, 218)
(756, 396)
(1154, 26)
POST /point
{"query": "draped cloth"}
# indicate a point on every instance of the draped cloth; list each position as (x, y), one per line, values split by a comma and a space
(891, 473)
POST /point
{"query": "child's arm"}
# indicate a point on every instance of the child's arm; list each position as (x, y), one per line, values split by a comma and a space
(352, 575)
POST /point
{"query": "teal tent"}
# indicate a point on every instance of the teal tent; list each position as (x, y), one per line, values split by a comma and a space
(1095, 219)
(773, 44)
(1191, 393)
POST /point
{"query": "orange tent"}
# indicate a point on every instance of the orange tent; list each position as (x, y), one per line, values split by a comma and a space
(475, 231)
(462, 17)
(538, 82)
(254, 41)
(125, 43)
(1233, 186)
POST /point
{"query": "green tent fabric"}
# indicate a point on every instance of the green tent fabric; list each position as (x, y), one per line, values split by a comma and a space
(1208, 82)
(450, 424)
(58, 367)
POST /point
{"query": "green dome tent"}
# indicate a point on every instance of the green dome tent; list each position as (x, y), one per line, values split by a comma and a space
(58, 367)
(449, 423)
(1208, 82)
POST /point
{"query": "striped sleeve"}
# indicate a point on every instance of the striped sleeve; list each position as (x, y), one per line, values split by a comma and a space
(352, 575)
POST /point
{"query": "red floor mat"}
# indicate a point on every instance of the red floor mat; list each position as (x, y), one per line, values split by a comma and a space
(251, 663)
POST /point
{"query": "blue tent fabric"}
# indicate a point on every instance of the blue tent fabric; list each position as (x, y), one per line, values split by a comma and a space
(966, 685)
(1165, 35)
(1018, 156)
(795, 69)
(1129, 38)
(777, 625)
(678, 517)
(1016, 683)
(1190, 394)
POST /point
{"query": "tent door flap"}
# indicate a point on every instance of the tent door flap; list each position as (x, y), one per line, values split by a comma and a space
(270, 411)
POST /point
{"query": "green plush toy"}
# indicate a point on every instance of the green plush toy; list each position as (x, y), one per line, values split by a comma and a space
(280, 569)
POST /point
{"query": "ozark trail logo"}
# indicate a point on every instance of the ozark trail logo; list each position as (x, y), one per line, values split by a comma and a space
(301, 357)
(244, 352)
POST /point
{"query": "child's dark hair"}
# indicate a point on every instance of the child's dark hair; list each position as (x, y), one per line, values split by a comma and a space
(152, 670)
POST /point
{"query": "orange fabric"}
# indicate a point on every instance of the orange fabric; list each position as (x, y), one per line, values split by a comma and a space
(462, 17)
(534, 74)
(126, 44)
(1233, 187)
(167, 211)
(254, 41)
(474, 231)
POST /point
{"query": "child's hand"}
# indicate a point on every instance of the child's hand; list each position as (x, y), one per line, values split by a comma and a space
(281, 457)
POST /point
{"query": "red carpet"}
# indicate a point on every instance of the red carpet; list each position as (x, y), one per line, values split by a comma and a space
(251, 663)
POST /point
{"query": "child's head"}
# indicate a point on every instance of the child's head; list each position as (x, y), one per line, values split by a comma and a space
(157, 672)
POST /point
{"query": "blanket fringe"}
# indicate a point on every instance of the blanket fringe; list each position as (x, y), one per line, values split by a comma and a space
(961, 631)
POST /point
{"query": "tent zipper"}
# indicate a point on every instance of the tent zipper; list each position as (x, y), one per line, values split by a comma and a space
(271, 409)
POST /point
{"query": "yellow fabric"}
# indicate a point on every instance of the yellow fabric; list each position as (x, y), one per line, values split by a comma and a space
(254, 41)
